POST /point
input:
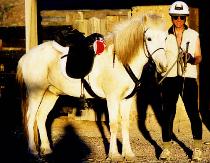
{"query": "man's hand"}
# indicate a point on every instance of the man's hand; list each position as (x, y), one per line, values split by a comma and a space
(188, 58)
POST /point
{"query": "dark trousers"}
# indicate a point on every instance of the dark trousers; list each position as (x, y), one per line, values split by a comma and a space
(171, 88)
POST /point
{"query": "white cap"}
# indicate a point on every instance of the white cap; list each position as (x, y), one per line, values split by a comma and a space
(179, 8)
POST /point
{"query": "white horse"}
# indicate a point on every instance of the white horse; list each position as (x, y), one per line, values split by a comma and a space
(130, 45)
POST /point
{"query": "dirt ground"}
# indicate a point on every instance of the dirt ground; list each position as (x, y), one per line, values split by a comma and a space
(88, 141)
(76, 141)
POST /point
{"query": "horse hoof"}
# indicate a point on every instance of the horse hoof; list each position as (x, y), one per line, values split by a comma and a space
(130, 158)
(44, 152)
(115, 158)
(33, 152)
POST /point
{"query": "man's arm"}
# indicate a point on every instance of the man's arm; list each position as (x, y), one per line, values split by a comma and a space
(197, 55)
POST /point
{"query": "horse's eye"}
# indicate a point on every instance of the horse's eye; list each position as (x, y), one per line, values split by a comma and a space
(149, 39)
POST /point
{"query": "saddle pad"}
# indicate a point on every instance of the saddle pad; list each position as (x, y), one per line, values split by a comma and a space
(63, 66)
(63, 59)
(62, 49)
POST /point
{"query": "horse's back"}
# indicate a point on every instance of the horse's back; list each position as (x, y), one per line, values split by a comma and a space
(44, 50)
(38, 55)
(34, 64)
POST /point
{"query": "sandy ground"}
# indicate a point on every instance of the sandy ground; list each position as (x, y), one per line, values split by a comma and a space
(145, 144)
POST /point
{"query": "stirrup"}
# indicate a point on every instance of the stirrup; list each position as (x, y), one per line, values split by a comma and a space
(83, 102)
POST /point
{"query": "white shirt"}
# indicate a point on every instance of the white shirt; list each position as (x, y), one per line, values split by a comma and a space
(189, 35)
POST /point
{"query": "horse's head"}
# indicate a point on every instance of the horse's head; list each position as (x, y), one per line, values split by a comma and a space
(154, 48)
(155, 34)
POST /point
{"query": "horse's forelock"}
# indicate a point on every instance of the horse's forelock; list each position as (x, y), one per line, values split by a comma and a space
(155, 21)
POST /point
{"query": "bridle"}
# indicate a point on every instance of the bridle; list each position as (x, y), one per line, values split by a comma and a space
(148, 54)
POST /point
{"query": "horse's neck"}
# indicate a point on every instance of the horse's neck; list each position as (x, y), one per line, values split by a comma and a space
(138, 63)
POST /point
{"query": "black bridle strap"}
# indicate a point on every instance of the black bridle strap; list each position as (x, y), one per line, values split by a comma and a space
(148, 52)
(135, 80)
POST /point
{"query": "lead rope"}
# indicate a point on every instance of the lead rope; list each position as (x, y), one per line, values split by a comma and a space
(183, 66)
(183, 82)
(179, 61)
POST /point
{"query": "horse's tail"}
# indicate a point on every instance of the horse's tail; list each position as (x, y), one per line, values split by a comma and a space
(24, 97)
(24, 102)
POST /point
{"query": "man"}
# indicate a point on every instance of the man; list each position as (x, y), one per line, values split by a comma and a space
(183, 53)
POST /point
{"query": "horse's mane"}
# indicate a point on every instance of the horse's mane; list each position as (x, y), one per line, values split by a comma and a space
(127, 36)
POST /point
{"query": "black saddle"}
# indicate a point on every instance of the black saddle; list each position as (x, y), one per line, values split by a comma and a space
(81, 52)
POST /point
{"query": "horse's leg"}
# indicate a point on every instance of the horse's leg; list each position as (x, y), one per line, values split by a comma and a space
(113, 108)
(46, 106)
(125, 108)
(33, 105)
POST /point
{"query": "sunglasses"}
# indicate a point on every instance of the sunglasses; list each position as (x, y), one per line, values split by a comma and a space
(181, 17)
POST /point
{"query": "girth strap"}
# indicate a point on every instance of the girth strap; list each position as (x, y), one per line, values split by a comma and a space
(89, 89)
(135, 80)
(131, 74)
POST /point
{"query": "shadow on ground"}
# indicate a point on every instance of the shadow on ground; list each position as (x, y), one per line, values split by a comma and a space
(14, 145)
(149, 94)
